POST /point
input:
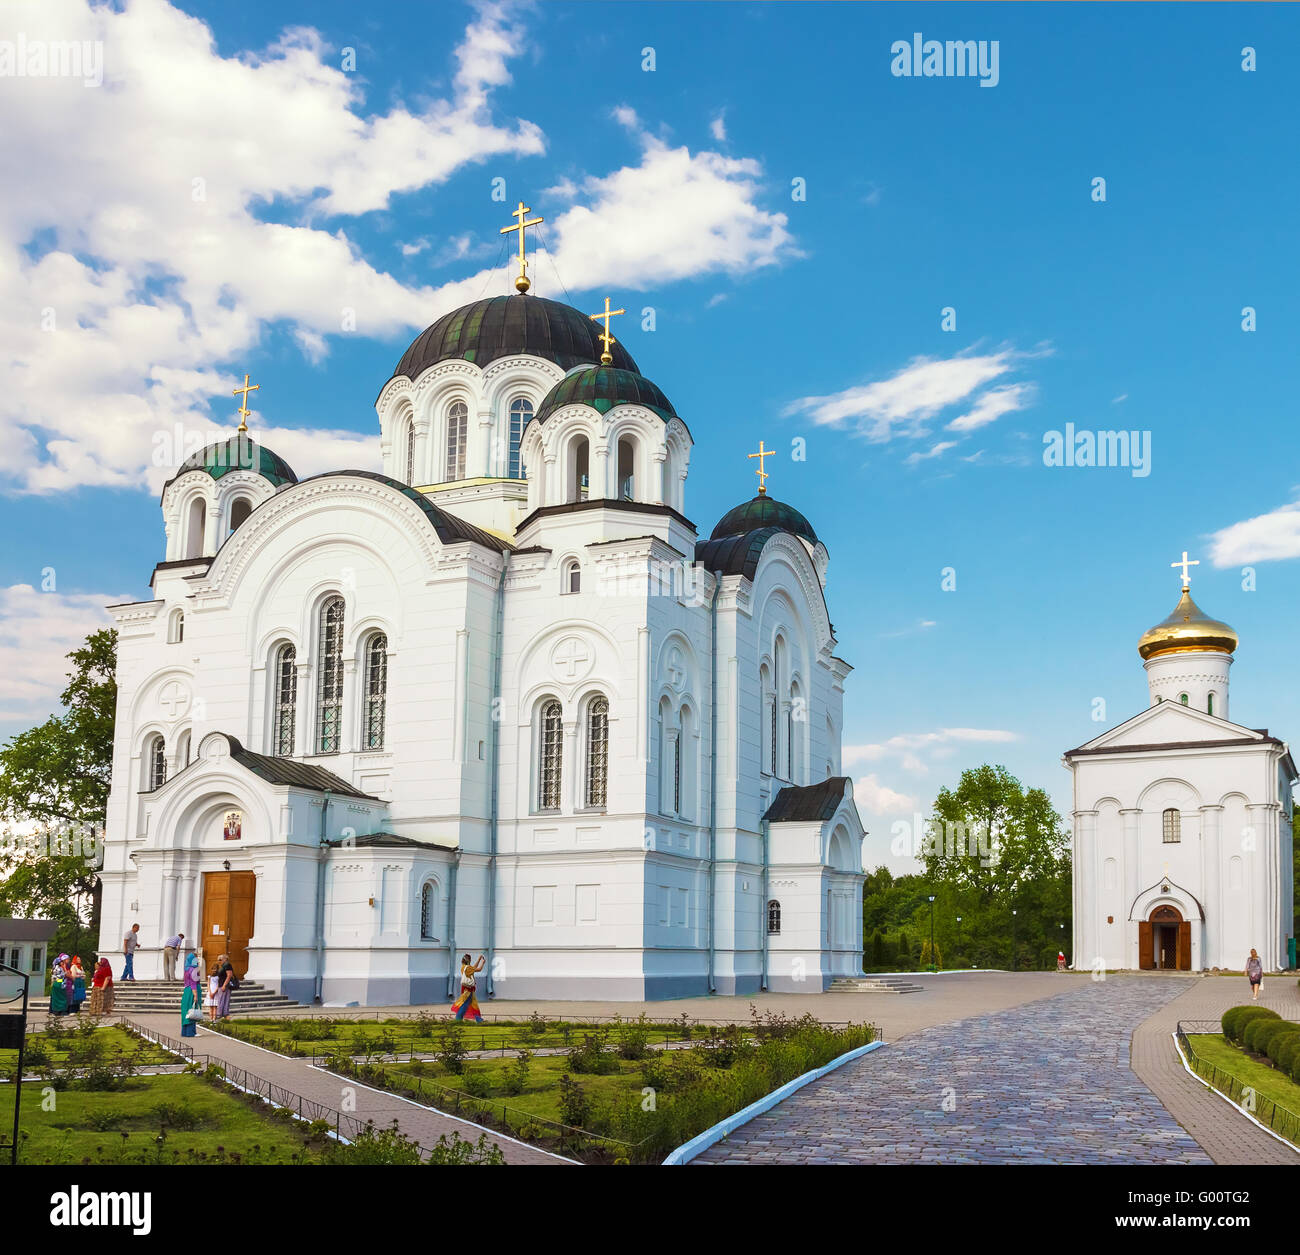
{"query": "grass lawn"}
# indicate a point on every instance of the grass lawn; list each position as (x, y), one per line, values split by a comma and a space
(1267, 1082)
(112, 1042)
(124, 1126)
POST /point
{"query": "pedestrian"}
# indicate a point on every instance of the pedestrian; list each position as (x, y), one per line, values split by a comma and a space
(466, 1006)
(226, 984)
(101, 988)
(170, 950)
(59, 986)
(130, 944)
(190, 1013)
(1254, 973)
(210, 998)
(1060, 960)
(78, 975)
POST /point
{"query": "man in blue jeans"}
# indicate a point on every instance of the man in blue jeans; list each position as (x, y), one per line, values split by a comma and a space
(130, 944)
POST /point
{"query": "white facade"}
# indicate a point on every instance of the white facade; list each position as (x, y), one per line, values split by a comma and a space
(1182, 828)
(541, 731)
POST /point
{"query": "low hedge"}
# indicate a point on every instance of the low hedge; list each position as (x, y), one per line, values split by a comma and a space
(1261, 1030)
(1284, 1049)
(1235, 1020)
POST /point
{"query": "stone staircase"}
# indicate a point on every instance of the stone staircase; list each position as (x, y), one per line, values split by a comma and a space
(143, 997)
(874, 985)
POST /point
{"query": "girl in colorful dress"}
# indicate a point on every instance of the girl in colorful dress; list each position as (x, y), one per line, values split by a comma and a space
(190, 997)
(59, 986)
(210, 999)
(466, 1006)
(78, 974)
(101, 989)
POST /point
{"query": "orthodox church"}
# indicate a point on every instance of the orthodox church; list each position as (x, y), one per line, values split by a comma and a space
(502, 698)
(1182, 818)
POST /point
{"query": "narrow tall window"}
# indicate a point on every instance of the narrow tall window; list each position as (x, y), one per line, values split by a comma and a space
(286, 699)
(550, 754)
(772, 729)
(176, 627)
(240, 509)
(1182, 697)
(457, 425)
(410, 452)
(157, 763)
(194, 528)
(521, 413)
(626, 470)
(572, 580)
(677, 767)
(376, 690)
(329, 715)
(597, 752)
(773, 918)
(1209, 704)
(789, 742)
(428, 901)
(1173, 826)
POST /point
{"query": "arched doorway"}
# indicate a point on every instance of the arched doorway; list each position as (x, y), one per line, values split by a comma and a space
(1165, 940)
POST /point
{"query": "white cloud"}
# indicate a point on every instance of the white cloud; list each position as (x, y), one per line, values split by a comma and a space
(879, 799)
(904, 403)
(1265, 538)
(992, 405)
(718, 128)
(907, 748)
(937, 450)
(415, 248)
(37, 631)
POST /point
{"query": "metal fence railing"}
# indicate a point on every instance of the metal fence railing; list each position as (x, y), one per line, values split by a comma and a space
(1282, 1120)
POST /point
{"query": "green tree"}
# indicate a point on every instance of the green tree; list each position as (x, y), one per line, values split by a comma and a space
(56, 778)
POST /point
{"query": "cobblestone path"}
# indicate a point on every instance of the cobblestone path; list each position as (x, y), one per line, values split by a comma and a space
(1046, 1082)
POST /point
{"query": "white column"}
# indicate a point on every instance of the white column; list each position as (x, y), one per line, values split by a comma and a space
(351, 720)
(1087, 947)
(1212, 885)
(304, 707)
(1131, 881)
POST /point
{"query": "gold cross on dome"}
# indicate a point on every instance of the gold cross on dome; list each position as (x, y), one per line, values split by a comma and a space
(761, 455)
(244, 411)
(606, 358)
(1187, 575)
(521, 214)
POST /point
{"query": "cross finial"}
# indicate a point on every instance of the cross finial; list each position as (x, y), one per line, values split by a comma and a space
(523, 222)
(761, 455)
(606, 358)
(1184, 564)
(244, 411)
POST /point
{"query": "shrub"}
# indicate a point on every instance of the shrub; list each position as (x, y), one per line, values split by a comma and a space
(1257, 1033)
(476, 1083)
(451, 1050)
(1236, 1020)
(517, 1076)
(575, 1106)
(634, 1039)
(536, 1025)
(170, 1115)
(424, 1024)
(308, 1030)
(589, 1056)
(1281, 1048)
(458, 1151)
(1295, 1069)
(378, 1146)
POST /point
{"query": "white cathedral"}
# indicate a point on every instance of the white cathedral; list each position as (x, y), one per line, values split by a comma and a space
(500, 699)
(1182, 818)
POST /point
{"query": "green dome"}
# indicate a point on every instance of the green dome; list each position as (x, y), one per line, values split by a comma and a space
(240, 453)
(763, 511)
(604, 387)
(501, 326)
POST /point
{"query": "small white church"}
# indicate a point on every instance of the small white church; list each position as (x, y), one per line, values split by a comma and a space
(1182, 818)
(502, 698)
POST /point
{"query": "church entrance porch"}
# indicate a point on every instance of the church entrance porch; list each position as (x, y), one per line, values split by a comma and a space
(228, 910)
(1165, 941)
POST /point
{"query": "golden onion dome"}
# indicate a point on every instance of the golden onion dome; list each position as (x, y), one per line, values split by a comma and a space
(1188, 630)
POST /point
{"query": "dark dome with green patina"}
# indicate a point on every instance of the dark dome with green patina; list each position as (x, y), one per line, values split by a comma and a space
(501, 326)
(604, 387)
(240, 453)
(763, 511)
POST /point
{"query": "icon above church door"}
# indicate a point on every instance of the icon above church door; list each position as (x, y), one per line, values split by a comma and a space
(233, 827)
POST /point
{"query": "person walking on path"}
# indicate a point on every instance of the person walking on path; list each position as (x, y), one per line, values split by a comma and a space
(226, 982)
(466, 1006)
(170, 951)
(1254, 973)
(130, 944)
(190, 1012)
(78, 974)
(101, 988)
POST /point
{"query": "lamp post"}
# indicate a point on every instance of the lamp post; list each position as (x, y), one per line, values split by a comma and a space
(1013, 938)
(933, 965)
(958, 942)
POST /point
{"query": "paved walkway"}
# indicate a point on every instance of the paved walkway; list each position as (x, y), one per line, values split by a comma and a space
(1046, 1082)
(420, 1123)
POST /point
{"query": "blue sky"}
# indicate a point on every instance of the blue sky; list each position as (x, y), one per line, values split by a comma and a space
(782, 318)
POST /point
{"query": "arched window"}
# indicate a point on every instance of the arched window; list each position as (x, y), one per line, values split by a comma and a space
(457, 426)
(1209, 704)
(627, 469)
(686, 763)
(176, 627)
(376, 690)
(240, 509)
(410, 452)
(773, 918)
(774, 736)
(1182, 697)
(428, 906)
(571, 579)
(677, 767)
(1172, 826)
(194, 528)
(183, 750)
(286, 700)
(578, 485)
(329, 712)
(156, 763)
(550, 755)
(521, 413)
(598, 752)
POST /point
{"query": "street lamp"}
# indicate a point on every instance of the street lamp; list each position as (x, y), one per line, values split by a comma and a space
(1013, 938)
(958, 943)
(933, 965)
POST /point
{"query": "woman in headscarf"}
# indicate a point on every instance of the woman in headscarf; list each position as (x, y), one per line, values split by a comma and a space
(101, 988)
(190, 997)
(78, 974)
(466, 1006)
(60, 986)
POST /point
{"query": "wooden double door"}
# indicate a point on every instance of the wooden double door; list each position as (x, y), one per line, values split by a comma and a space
(1165, 941)
(229, 899)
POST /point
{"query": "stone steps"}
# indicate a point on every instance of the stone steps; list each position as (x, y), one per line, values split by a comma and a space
(161, 996)
(875, 985)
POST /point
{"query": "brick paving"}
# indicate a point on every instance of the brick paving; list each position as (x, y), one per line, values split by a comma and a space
(1045, 1082)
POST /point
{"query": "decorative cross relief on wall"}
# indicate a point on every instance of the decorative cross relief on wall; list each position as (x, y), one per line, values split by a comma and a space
(571, 658)
(174, 699)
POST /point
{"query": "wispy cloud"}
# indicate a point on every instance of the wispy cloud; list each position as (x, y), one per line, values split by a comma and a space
(1267, 537)
(718, 128)
(907, 749)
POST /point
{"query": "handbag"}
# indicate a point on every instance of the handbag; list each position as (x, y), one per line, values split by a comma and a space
(194, 1014)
